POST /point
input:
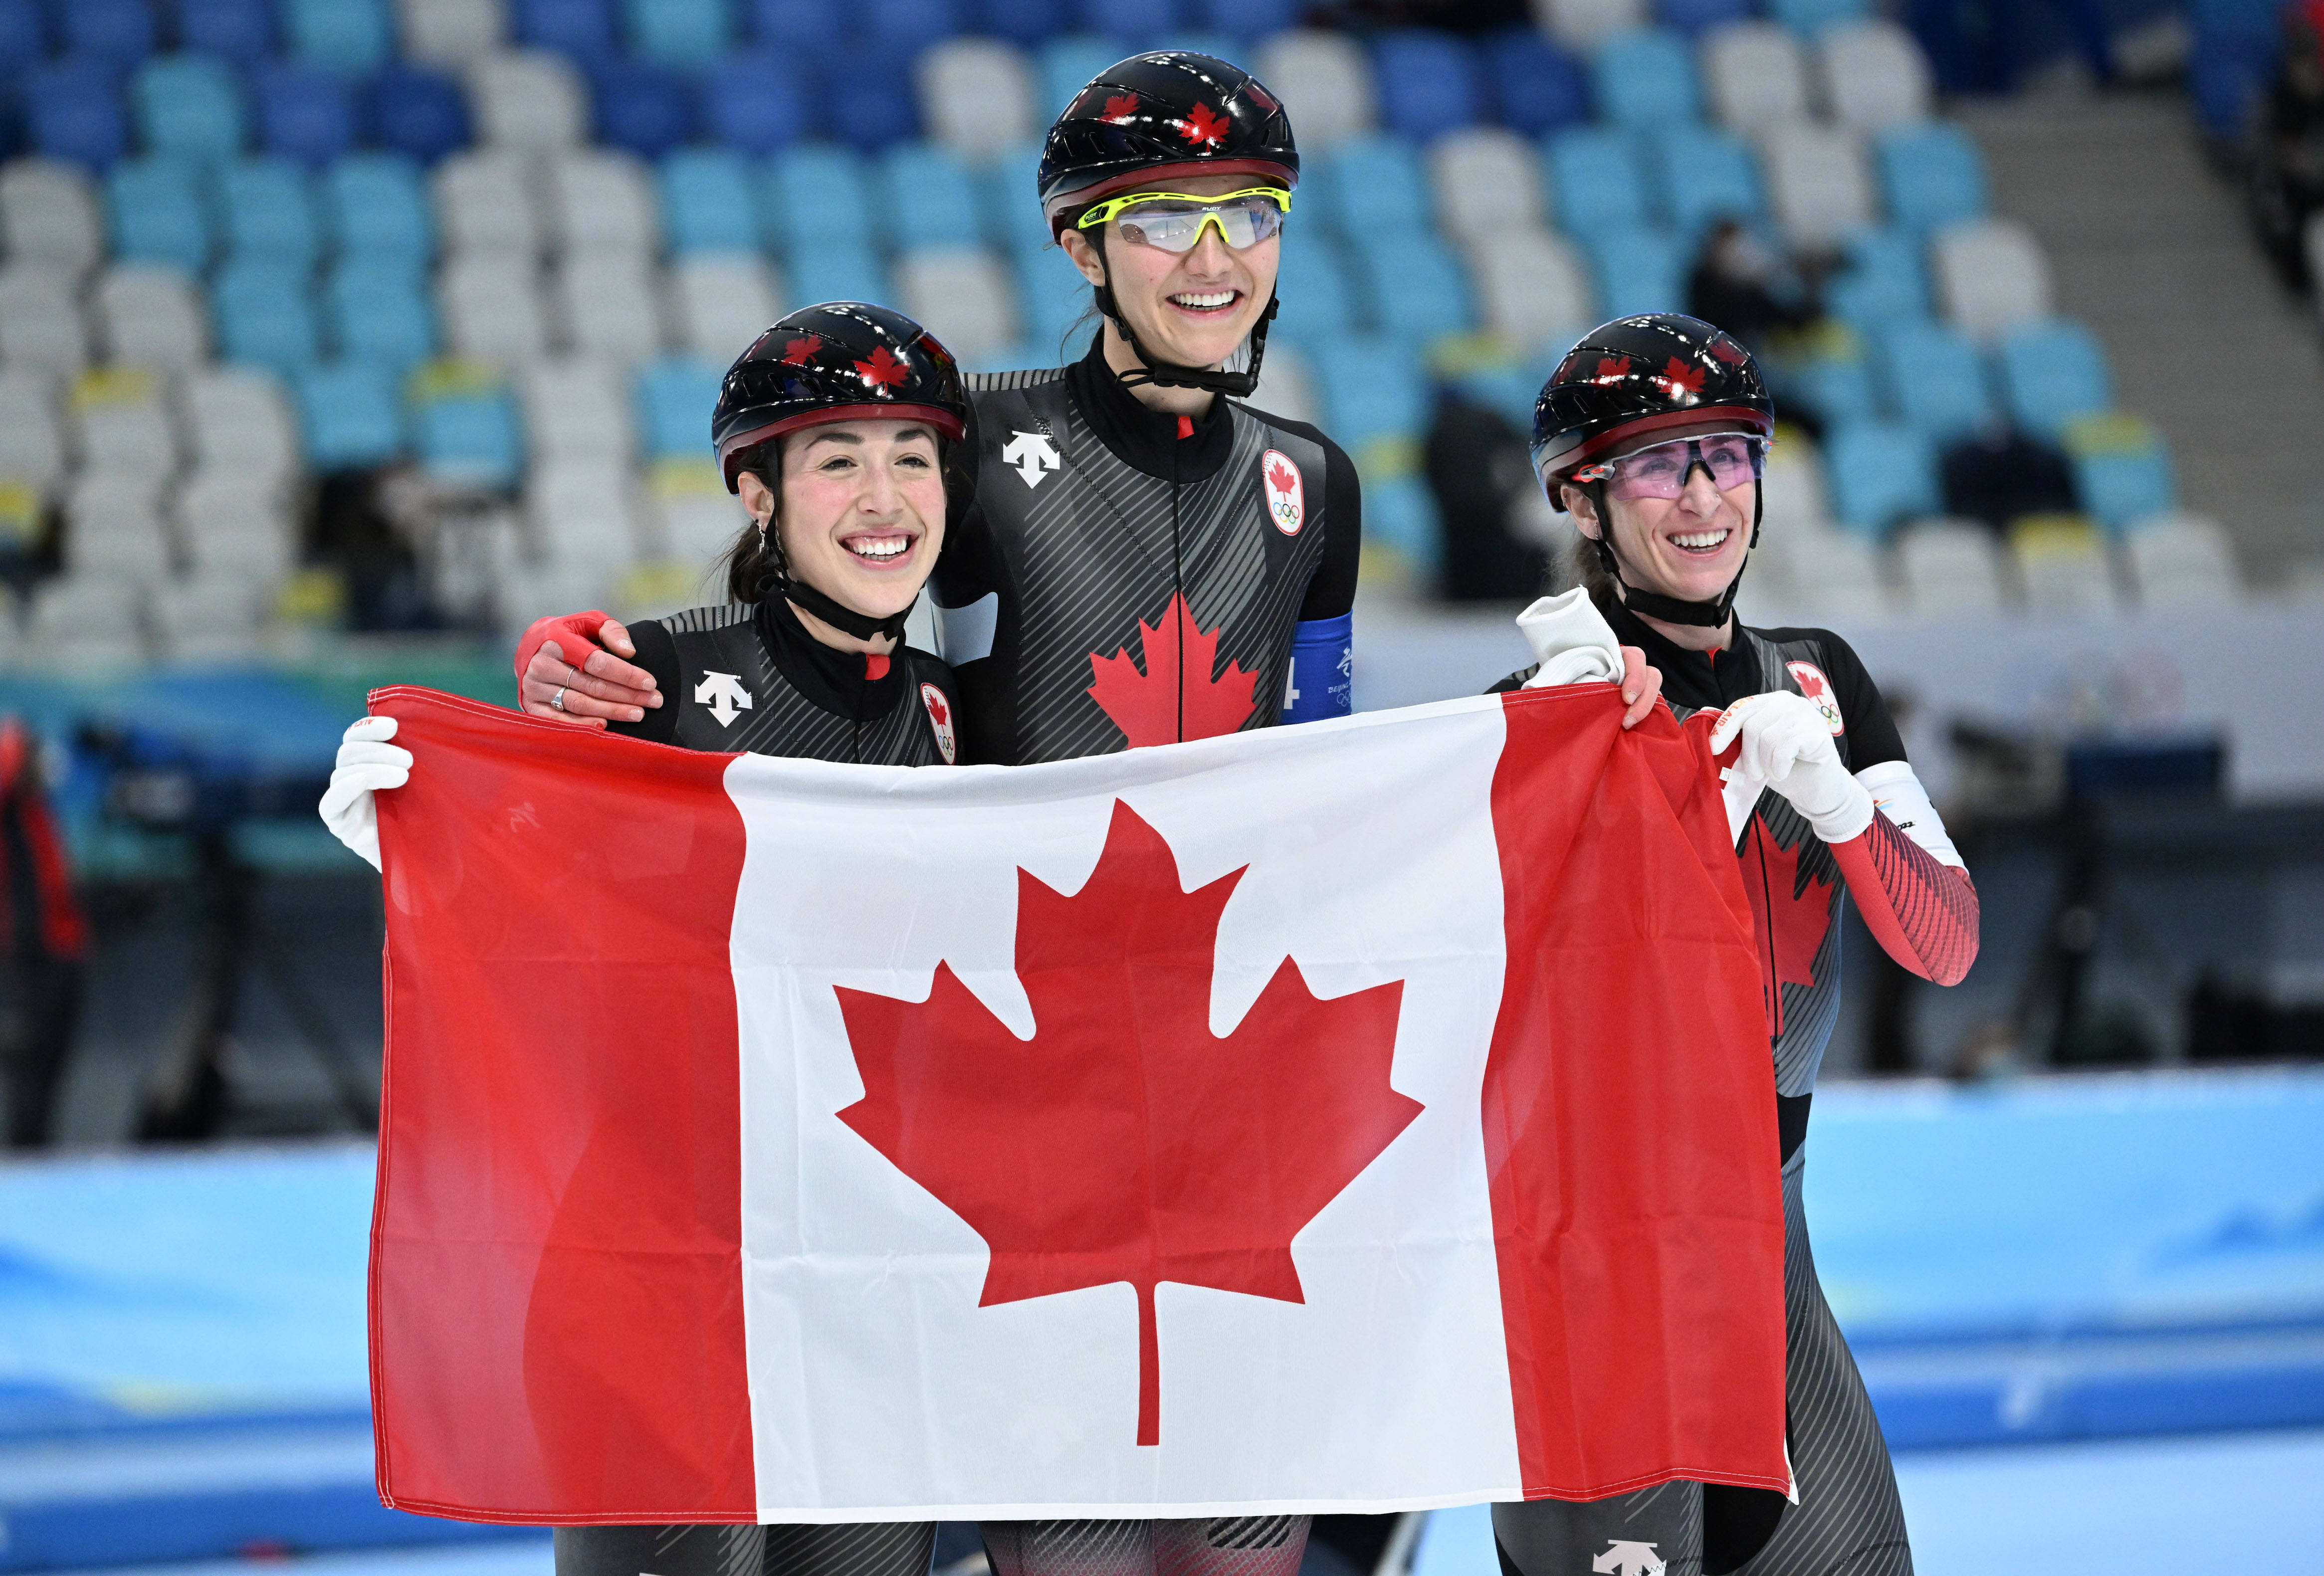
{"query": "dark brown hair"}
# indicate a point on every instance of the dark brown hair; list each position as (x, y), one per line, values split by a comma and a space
(1584, 564)
(751, 559)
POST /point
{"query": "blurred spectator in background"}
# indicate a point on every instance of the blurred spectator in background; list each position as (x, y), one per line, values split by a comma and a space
(2288, 173)
(2002, 474)
(355, 531)
(1481, 474)
(44, 939)
(1746, 287)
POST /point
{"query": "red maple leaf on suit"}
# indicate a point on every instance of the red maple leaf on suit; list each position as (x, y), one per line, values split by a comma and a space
(1125, 1141)
(800, 350)
(1174, 698)
(938, 710)
(1121, 108)
(1791, 913)
(1282, 475)
(1202, 125)
(1681, 376)
(884, 369)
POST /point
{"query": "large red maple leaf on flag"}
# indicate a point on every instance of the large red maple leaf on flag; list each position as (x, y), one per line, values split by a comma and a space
(885, 368)
(1796, 908)
(1173, 696)
(1124, 1141)
(1202, 125)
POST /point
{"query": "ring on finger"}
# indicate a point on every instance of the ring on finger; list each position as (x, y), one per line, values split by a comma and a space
(558, 700)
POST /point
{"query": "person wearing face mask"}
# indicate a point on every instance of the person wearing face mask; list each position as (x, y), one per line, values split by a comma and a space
(1652, 433)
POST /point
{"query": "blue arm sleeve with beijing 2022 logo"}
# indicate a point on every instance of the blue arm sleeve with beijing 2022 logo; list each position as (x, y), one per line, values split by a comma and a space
(1323, 669)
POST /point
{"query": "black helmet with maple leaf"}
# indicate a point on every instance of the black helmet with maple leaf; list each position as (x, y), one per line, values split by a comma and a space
(1627, 379)
(1162, 115)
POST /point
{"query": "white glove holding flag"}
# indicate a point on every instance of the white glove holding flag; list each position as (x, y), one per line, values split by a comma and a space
(1787, 746)
(367, 764)
(1571, 640)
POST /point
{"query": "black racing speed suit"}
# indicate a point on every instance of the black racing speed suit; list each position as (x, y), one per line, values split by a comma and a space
(1923, 908)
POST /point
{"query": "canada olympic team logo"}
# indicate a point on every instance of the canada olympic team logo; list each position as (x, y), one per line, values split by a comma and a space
(1818, 689)
(940, 720)
(1287, 493)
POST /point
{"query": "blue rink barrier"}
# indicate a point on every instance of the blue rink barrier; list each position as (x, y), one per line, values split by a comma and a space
(182, 1352)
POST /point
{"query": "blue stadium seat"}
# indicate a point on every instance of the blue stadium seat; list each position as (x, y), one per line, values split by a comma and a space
(155, 211)
(379, 311)
(1024, 21)
(269, 208)
(800, 25)
(2122, 483)
(1054, 297)
(879, 106)
(1694, 17)
(471, 438)
(265, 315)
(583, 29)
(1009, 203)
(1428, 83)
(190, 106)
(679, 32)
(1833, 387)
(1067, 62)
(1245, 19)
(706, 204)
(1595, 179)
(817, 196)
(344, 35)
(241, 31)
(1882, 283)
(1318, 304)
(930, 196)
(1638, 269)
(377, 209)
(1419, 291)
(642, 107)
(1814, 15)
(2052, 373)
(349, 414)
(1373, 187)
(911, 26)
(1703, 175)
(304, 114)
(1879, 473)
(1645, 79)
(118, 32)
(73, 111)
(23, 37)
(1931, 175)
(838, 271)
(1400, 513)
(419, 113)
(675, 398)
(2228, 74)
(1131, 24)
(1934, 380)
(1372, 388)
(757, 102)
(1539, 87)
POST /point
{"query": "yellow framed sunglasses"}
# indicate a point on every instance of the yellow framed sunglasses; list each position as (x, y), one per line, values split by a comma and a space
(1174, 221)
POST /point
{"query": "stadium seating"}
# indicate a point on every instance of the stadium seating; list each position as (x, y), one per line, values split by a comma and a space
(1990, 275)
(1948, 569)
(2177, 560)
(980, 96)
(1638, 270)
(1327, 72)
(2122, 471)
(1872, 75)
(451, 32)
(719, 301)
(1934, 379)
(1701, 175)
(1428, 84)
(157, 214)
(2053, 372)
(1485, 180)
(41, 324)
(1818, 185)
(73, 113)
(376, 206)
(50, 216)
(1538, 86)
(1931, 175)
(1596, 178)
(1645, 79)
(1754, 76)
(151, 316)
(1881, 473)
(2062, 565)
(304, 113)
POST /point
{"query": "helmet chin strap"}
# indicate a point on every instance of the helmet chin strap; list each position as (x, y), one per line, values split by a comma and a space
(1169, 374)
(779, 581)
(1710, 615)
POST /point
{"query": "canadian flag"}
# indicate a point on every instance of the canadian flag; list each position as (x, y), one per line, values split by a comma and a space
(1367, 1115)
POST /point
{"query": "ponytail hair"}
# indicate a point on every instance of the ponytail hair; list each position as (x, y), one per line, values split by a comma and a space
(1585, 559)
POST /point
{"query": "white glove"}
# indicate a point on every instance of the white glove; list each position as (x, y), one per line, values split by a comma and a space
(1787, 746)
(1571, 640)
(367, 764)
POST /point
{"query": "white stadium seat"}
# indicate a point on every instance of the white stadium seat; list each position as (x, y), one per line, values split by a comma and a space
(964, 296)
(49, 216)
(1989, 276)
(1487, 180)
(527, 99)
(576, 409)
(583, 511)
(1818, 182)
(976, 97)
(602, 202)
(89, 618)
(2181, 561)
(1834, 579)
(1872, 75)
(1949, 567)
(237, 420)
(113, 527)
(492, 310)
(1794, 490)
(210, 617)
(31, 436)
(2063, 571)
(1326, 81)
(450, 32)
(696, 526)
(720, 301)
(484, 203)
(609, 305)
(1287, 386)
(1754, 76)
(122, 426)
(1531, 289)
(151, 316)
(39, 319)
(1581, 23)
(231, 521)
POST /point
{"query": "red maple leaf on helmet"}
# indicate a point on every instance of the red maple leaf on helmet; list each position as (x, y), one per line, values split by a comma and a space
(1680, 378)
(800, 350)
(1726, 350)
(1125, 1141)
(1121, 109)
(1792, 909)
(1202, 125)
(884, 369)
(1614, 366)
(1174, 698)
(1283, 477)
